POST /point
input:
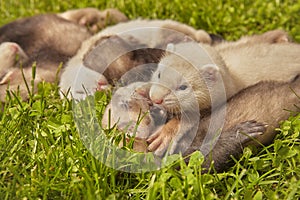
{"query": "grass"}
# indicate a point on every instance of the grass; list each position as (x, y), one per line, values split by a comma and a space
(43, 157)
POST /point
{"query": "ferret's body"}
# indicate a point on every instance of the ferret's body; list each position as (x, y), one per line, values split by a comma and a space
(49, 40)
(268, 102)
(249, 116)
(157, 33)
(214, 74)
(263, 62)
(43, 32)
(210, 70)
(42, 38)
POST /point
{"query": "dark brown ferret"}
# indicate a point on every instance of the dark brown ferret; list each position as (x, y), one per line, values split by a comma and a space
(108, 60)
(48, 40)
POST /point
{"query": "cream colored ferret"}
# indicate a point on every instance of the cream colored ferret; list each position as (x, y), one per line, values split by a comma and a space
(209, 71)
(214, 74)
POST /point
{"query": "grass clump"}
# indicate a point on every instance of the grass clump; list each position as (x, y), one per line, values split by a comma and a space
(43, 157)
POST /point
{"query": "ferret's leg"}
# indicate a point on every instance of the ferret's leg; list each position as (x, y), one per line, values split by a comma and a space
(231, 143)
(173, 136)
(93, 18)
(162, 138)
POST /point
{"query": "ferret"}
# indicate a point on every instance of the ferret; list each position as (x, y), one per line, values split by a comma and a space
(119, 48)
(43, 39)
(133, 112)
(205, 68)
(191, 111)
(114, 60)
(260, 107)
(249, 117)
(213, 76)
(158, 33)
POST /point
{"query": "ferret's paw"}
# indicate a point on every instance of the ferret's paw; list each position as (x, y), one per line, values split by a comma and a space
(113, 16)
(277, 36)
(102, 83)
(159, 143)
(246, 131)
(97, 20)
(93, 18)
(203, 37)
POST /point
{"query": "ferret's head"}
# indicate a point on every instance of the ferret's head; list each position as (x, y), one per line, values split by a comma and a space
(132, 111)
(184, 79)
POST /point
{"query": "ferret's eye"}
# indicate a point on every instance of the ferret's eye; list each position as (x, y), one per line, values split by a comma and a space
(158, 75)
(182, 87)
(124, 104)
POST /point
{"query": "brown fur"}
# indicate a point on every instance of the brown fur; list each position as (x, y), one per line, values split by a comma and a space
(43, 40)
(94, 19)
(119, 56)
(239, 65)
(254, 112)
(265, 102)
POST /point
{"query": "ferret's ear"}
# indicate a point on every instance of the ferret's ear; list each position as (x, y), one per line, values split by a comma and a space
(107, 49)
(210, 73)
(6, 77)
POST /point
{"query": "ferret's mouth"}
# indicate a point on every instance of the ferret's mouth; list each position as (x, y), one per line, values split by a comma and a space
(171, 107)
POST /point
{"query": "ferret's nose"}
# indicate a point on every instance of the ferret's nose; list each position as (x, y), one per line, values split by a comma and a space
(158, 93)
(158, 101)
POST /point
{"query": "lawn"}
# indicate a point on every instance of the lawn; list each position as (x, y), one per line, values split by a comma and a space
(43, 157)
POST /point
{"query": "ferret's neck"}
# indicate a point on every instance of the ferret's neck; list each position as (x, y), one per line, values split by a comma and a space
(231, 82)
